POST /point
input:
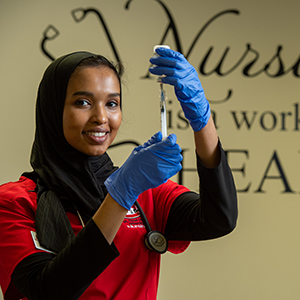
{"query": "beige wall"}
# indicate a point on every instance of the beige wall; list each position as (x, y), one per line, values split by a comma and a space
(259, 260)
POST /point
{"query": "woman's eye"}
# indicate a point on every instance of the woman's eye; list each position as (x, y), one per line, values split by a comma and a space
(82, 102)
(112, 103)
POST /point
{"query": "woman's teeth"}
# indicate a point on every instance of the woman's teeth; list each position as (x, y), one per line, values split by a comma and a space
(96, 133)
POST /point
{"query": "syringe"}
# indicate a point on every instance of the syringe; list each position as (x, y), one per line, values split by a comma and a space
(162, 96)
(163, 112)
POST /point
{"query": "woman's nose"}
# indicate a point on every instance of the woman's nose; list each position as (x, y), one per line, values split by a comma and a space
(99, 115)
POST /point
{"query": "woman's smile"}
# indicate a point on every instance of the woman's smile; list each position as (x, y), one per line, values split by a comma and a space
(96, 134)
(96, 137)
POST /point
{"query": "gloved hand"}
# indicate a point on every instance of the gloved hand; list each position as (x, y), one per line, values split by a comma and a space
(148, 166)
(188, 89)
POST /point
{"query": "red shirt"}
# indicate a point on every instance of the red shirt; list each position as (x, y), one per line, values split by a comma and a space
(134, 273)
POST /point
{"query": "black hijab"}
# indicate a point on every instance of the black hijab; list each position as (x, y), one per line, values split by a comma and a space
(68, 180)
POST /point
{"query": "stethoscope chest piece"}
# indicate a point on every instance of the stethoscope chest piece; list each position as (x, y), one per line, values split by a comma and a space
(156, 241)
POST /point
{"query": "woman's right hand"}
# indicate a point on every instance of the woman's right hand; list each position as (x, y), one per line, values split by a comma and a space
(147, 167)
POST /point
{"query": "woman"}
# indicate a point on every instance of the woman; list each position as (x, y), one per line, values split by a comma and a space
(72, 228)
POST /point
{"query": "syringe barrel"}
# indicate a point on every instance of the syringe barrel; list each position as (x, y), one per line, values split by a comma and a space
(163, 112)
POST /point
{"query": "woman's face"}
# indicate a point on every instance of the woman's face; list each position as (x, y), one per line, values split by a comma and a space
(92, 113)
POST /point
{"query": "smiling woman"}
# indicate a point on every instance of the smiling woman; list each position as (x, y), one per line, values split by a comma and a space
(67, 227)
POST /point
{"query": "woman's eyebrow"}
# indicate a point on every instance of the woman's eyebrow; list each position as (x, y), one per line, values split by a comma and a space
(114, 95)
(85, 93)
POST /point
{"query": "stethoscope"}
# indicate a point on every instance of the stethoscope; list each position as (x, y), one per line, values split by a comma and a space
(154, 240)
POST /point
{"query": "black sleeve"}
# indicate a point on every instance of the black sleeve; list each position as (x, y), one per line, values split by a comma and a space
(67, 275)
(209, 215)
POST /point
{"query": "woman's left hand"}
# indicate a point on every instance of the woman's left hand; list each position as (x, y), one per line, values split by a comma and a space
(182, 75)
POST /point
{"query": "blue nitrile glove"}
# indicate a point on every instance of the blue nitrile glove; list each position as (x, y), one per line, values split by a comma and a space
(188, 89)
(148, 166)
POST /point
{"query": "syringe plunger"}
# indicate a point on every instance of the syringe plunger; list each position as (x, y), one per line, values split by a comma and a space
(163, 112)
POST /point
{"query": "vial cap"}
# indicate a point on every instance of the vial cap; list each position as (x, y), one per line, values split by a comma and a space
(160, 46)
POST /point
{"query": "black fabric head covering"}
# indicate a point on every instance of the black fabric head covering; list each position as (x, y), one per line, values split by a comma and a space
(68, 179)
